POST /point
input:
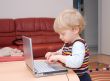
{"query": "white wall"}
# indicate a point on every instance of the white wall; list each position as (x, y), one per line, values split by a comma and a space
(32, 8)
(104, 16)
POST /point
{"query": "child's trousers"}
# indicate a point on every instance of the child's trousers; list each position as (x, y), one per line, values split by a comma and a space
(85, 77)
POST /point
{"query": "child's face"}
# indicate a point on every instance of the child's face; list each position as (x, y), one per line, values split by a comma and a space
(67, 36)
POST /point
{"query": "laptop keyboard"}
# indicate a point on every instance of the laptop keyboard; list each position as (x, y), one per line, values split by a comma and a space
(43, 66)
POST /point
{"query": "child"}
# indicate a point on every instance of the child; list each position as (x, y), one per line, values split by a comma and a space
(74, 54)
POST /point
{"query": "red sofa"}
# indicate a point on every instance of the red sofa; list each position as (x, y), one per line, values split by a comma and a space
(39, 29)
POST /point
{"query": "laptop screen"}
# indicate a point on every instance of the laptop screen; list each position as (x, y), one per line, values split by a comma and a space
(28, 53)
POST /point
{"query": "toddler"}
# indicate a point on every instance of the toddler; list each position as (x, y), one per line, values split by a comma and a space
(74, 53)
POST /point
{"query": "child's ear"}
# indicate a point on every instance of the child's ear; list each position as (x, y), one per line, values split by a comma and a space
(76, 30)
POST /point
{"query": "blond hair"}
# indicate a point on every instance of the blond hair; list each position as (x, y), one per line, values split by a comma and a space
(69, 19)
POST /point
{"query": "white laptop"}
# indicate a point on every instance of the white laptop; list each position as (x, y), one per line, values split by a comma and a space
(39, 67)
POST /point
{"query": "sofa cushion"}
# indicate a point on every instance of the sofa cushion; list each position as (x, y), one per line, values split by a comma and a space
(25, 24)
(44, 24)
(34, 24)
(39, 29)
(7, 32)
(39, 50)
(6, 41)
(7, 25)
(45, 39)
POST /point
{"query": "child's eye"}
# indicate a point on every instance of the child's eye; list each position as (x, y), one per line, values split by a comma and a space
(62, 33)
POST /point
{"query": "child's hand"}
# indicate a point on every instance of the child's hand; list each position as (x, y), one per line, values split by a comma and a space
(53, 58)
(47, 55)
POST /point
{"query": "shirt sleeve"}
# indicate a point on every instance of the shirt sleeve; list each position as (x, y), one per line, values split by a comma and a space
(78, 53)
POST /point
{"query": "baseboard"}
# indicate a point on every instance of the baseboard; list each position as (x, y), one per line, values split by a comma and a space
(101, 58)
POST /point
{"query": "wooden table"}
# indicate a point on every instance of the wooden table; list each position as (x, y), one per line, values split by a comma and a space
(17, 71)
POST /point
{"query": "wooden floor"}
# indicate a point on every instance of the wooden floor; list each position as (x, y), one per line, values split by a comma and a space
(101, 58)
(100, 76)
(100, 61)
(99, 71)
